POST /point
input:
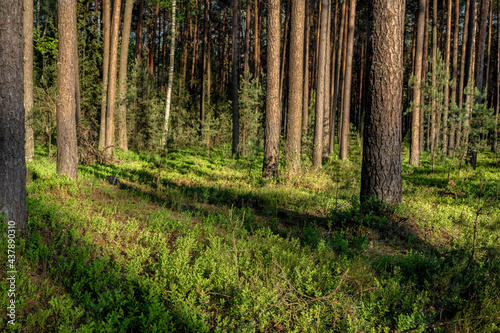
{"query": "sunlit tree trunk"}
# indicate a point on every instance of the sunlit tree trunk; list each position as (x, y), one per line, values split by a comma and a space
(67, 157)
(447, 86)
(347, 82)
(381, 175)
(415, 130)
(273, 112)
(236, 112)
(451, 142)
(170, 76)
(106, 24)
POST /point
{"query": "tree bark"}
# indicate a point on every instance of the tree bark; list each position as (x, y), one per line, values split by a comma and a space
(305, 94)
(113, 64)
(67, 157)
(415, 124)
(28, 78)
(434, 112)
(295, 83)
(333, 76)
(170, 76)
(12, 116)
(490, 26)
(337, 71)
(273, 113)
(326, 105)
(347, 82)
(320, 90)
(203, 68)
(122, 77)
(236, 112)
(495, 146)
(246, 69)
(106, 23)
(138, 33)
(447, 86)
(465, 33)
(425, 68)
(454, 75)
(381, 175)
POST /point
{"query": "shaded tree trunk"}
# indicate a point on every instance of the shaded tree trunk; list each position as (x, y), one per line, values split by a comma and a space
(138, 33)
(67, 157)
(381, 175)
(338, 70)
(106, 23)
(333, 75)
(305, 94)
(295, 92)
(12, 117)
(451, 142)
(425, 68)
(495, 145)
(113, 64)
(415, 124)
(326, 105)
(28, 78)
(447, 86)
(122, 77)
(273, 113)
(433, 137)
(465, 33)
(236, 112)
(203, 68)
(246, 69)
(347, 82)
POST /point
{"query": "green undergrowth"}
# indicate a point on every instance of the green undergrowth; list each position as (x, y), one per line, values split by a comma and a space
(190, 243)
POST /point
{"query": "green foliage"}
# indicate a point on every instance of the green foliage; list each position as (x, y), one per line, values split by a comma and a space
(250, 107)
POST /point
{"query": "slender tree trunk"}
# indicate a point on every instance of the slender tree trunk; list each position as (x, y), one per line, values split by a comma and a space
(203, 68)
(105, 69)
(138, 33)
(451, 142)
(273, 112)
(152, 44)
(381, 175)
(305, 94)
(425, 68)
(296, 86)
(434, 112)
(195, 46)
(326, 105)
(415, 130)
(447, 87)
(246, 69)
(170, 76)
(256, 48)
(320, 95)
(495, 145)
(122, 77)
(490, 26)
(461, 87)
(12, 115)
(113, 62)
(347, 82)
(67, 157)
(333, 75)
(236, 112)
(28, 77)
(337, 72)
(283, 57)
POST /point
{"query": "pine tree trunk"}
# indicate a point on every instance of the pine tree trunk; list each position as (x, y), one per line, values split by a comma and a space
(488, 57)
(28, 78)
(337, 73)
(415, 124)
(461, 87)
(283, 57)
(347, 83)
(236, 112)
(495, 145)
(305, 94)
(246, 70)
(326, 105)
(122, 77)
(434, 112)
(425, 69)
(67, 157)
(12, 116)
(333, 75)
(113, 65)
(320, 90)
(203, 69)
(341, 69)
(381, 175)
(105, 70)
(447, 87)
(295, 86)
(273, 113)
(170, 76)
(451, 142)
(195, 46)
(138, 33)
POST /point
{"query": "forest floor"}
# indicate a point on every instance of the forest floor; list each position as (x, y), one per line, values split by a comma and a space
(189, 243)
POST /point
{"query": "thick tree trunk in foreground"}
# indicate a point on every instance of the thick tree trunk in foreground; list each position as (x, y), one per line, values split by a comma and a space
(12, 135)
(381, 177)
(28, 78)
(295, 87)
(347, 83)
(113, 62)
(106, 24)
(236, 112)
(273, 112)
(67, 157)
(320, 91)
(415, 124)
(170, 77)
(122, 77)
